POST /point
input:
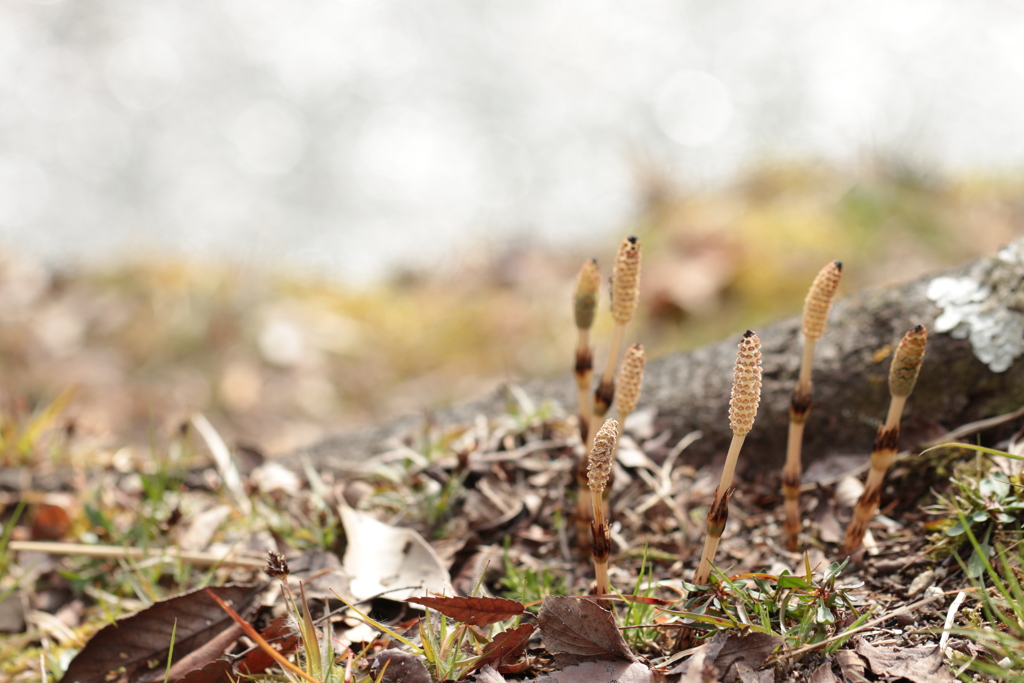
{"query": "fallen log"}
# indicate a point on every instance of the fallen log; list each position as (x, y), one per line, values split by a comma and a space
(972, 370)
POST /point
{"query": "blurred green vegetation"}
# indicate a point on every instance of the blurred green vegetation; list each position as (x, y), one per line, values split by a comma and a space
(279, 359)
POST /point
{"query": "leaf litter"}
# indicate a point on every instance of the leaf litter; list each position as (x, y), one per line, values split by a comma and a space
(397, 562)
(445, 501)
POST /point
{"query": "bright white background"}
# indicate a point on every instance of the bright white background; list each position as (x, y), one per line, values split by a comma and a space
(349, 135)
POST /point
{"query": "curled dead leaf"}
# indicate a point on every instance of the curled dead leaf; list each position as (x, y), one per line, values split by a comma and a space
(506, 648)
(476, 611)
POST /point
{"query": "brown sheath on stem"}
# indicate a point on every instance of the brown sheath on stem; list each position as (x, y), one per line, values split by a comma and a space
(584, 371)
(816, 308)
(601, 550)
(746, 394)
(906, 366)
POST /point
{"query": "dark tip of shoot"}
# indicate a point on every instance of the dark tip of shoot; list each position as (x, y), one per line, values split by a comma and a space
(748, 334)
(632, 239)
(838, 264)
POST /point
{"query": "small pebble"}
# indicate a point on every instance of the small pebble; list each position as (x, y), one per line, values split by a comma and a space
(922, 581)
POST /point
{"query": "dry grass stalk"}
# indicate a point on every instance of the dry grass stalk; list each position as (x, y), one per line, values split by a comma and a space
(816, 308)
(625, 297)
(599, 471)
(746, 394)
(906, 365)
(588, 283)
(176, 555)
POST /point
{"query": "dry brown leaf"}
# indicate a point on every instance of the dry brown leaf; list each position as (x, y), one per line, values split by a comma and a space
(608, 671)
(506, 647)
(402, 668)
(217, 671)
(728, 653)
(751, 649)
(746, 674)
(823, 674)
(203, 655)
(137, 644)
(919, 664)
(852, 666)
(700, 665)
(474, 611)
(574, 628)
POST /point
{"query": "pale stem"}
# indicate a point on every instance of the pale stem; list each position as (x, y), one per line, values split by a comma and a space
(792, 507)
(793, 448)
(583, 338)
(792, 472)
(601, 572)
(598, 508)
(725, 483)
(710, 549)
(613, 353)
(807, 363)
(583, 513)
(600, 565)
(895, 411)
(875, 479)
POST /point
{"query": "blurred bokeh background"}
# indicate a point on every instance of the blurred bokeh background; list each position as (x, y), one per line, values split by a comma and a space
(302, 217)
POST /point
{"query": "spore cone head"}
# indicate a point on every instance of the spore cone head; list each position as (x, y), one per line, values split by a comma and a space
(626, 281)
(631, 377)
(906, 362)
(599, 465)
(819, 300)
(746, 385)
(588, 283)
